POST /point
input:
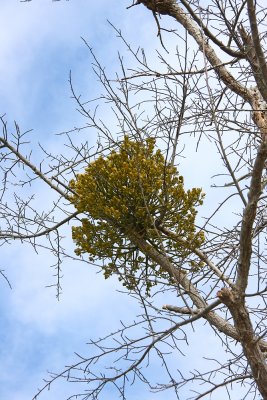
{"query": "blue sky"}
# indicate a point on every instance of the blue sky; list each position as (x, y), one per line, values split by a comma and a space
(40, 43)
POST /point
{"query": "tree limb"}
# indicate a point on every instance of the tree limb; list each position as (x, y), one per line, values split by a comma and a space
(171, 8)
(181, 278)
(248, 219)
(261, 76)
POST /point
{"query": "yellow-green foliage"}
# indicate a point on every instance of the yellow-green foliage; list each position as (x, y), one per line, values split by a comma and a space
(134, 189)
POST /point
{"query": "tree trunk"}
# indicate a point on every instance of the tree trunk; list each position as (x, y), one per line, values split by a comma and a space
(250, 345)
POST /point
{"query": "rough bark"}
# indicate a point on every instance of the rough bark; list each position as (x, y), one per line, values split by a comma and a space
(251, 347)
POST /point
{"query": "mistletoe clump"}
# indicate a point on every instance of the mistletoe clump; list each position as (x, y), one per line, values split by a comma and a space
(134, 189)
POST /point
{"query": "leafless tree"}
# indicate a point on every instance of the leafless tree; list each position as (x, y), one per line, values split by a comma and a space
(208, 90)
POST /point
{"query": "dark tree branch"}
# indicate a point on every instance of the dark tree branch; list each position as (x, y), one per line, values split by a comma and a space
(261, 66)
(249, 218)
